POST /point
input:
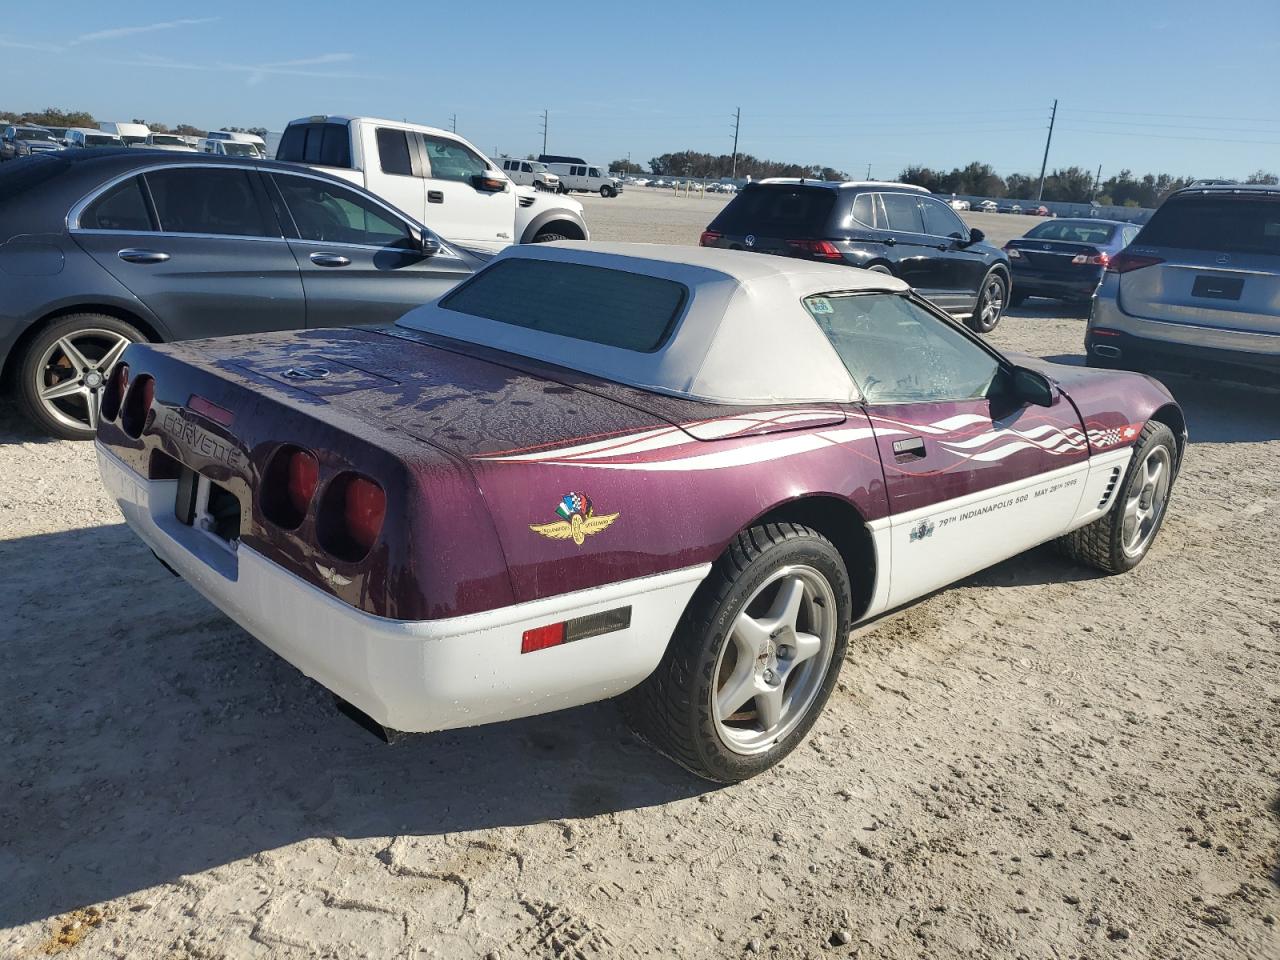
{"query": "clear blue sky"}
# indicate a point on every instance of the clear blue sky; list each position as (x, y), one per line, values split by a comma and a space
(1179, 87)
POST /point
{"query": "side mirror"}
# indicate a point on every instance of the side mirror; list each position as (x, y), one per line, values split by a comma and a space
(1030, 386)
(428, 244)
(976, 235)
(488, 183)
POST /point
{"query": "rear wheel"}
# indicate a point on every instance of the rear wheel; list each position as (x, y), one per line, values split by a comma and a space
(64, 372)
(991, 301)
(1118, 541)
(547, 236)
(754, 658)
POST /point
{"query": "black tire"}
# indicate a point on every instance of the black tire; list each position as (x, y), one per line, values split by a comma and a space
(606, 192)
(980, 321)
(1017, 299)
(1101, 544)
(34, 375)
(547, 236)
(672, 708)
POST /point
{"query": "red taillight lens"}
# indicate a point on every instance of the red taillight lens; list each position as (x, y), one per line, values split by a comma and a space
(303, 473)
(113, 396)
(137, 405)
(1104, 332)
(819, 249)
(1125, 262)
(539, 638)
(365, 509)
(1097, 260)
(708, 238)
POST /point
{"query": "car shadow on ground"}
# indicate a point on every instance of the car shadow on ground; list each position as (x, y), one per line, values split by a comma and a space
(16, 428)
(1052, 309)
(146, 742)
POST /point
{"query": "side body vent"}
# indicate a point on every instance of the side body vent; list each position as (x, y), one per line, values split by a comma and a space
(1111, 488)
(527, 201)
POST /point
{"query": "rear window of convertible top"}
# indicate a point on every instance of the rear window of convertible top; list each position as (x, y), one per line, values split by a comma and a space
(632, 311)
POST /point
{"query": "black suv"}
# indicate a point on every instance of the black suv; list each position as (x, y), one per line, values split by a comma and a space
(887, 227)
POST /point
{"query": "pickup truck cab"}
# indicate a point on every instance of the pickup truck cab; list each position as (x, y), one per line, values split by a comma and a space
(435, 177)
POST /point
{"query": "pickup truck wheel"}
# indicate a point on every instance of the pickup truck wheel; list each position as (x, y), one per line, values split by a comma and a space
(64, 371)
(1118, 540)
(754, 658)
(547, 236)
(607, 192)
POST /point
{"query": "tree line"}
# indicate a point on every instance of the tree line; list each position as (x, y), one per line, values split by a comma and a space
(692, 163)
(54, 117)
(1071, 184)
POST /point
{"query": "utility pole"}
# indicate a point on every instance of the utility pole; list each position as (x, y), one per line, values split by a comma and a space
(1045, 162)
(737, 122)
(868, 171)
(546, 117)
(1097, 181)
(453, 123)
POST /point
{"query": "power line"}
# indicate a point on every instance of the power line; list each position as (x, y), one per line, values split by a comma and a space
(1168, 136)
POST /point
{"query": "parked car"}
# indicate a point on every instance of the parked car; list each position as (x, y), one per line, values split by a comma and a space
(1065, 258)
(433, 175)
(1197, 289)
(18, 140)
(892, 228)
(1037, 211)
(237, 136)
(58, 133)
(167, 141)
(103, 248)
(585, 178)
(530, 173)
(83, 137)
(833, 445)
(988, 206)
(957, 204)
(230, 148)
(130, 133)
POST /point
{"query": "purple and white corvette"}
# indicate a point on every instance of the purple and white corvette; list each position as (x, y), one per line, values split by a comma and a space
(674, 473)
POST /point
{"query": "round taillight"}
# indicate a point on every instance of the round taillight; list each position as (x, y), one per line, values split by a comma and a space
(137, 404)
(113, 396)
(289, 485)
(351, 514)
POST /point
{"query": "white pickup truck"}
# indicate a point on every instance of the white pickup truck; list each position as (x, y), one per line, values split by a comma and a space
(434, 176)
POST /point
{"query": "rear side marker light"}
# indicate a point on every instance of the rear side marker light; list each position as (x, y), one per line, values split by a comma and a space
(1125, 262)
(137, 405)
(113, 396)
(212, 411)
(579, 628)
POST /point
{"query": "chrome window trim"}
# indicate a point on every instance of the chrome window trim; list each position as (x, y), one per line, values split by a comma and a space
(93, 231)
(940, 236)
(1216, 269)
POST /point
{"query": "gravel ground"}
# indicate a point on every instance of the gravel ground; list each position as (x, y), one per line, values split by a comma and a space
(1038, 762)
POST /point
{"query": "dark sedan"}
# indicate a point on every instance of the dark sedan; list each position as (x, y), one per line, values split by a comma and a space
(1065, 259)
(103, 247)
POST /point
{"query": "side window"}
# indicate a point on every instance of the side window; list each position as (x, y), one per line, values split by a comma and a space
(393, 152)
(450, 160)
(328, 213)
(525, 168)
(323, 144)
(863, 210)
(1129, 234)
(593, 172)
(207, 200)
(120, 208)
(903, 211)
(940, 220)
(898, 352)
(8, 133)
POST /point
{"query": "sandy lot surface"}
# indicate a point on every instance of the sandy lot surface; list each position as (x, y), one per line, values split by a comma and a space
(1038, 762)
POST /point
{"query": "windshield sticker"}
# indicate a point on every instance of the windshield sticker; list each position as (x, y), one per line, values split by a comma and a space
(820, 305)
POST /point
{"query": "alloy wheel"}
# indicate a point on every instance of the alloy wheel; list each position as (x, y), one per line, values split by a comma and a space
(1145, 505)
(72, 375)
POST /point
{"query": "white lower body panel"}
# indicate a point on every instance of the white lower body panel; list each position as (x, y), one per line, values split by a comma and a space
(415, 676)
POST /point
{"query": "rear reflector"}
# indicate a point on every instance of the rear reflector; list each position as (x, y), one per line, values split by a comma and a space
(1104, 332)
(579, 628)
(1125, 262)
(209, 409)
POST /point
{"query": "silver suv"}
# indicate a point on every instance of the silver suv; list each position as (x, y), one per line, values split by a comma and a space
(1198, 290)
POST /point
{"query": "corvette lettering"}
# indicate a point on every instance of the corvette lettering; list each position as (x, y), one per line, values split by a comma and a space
(200, 441)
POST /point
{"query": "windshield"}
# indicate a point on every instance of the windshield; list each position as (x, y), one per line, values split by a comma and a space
(132, 140)
(1230, 224)
(1073, 231)
(33, 133)
(100, 140)
(778, 210)
(159, 138)
(233, 149)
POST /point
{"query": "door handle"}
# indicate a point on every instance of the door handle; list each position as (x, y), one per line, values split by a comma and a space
(435, 196)
(888, 241)
(910, 447)
(330, 260)
(136, 255)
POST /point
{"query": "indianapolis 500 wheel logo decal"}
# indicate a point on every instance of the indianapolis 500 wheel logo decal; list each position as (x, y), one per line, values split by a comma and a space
(577, 520)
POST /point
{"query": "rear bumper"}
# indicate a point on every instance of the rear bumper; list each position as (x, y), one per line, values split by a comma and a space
(414, 676)
(1037, 283)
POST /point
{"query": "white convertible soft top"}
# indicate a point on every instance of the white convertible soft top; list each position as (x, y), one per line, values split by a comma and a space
(744, 336)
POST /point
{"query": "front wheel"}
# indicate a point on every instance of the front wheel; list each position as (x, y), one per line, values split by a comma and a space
(1118, 540)
(991, 301)
(64, 372)
(606, 192)
(754, 659)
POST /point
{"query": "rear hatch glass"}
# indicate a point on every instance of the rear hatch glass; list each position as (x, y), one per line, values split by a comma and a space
(1234, 224)
(778, 210)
